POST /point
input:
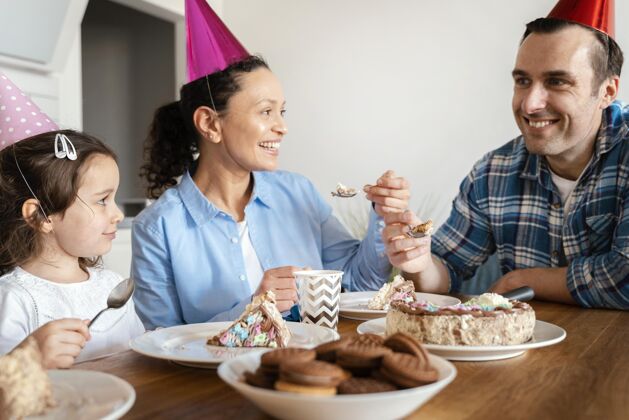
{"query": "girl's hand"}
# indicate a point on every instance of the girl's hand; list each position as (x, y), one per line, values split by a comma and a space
(61, 341)
(390, 194)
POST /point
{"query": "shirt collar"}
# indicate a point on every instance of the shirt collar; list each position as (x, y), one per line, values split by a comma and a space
(262, 189)
(202, 210)
(199, 207)
(612, 131)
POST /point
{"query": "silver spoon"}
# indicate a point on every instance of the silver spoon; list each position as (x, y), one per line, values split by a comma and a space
(415, 232)
(117, 297)
(343, 195)
(343, 191)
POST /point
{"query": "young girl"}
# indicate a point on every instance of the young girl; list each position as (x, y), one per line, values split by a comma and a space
(57, 217)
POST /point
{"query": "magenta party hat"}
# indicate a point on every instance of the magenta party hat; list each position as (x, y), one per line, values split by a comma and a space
(19, 116)
(211, 46)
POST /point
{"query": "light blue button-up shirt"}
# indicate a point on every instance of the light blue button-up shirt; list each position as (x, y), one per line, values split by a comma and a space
(188, 262)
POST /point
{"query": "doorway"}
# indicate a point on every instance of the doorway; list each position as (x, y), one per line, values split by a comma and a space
(128, 71)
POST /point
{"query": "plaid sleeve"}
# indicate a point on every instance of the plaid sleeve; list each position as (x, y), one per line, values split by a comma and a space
(465, 240)
(603, 280)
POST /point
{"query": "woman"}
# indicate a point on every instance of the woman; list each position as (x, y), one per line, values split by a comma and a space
(234, 226)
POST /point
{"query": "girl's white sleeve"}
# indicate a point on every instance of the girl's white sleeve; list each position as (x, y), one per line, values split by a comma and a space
(17, 316)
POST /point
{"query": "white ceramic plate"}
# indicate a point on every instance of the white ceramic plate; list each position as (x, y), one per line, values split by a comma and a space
(287, 405)
(354, 304)
(186, 344)
(88, 395)
(544, 334)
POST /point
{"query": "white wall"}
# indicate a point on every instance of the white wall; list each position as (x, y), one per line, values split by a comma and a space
(41, 53)
(422, 87)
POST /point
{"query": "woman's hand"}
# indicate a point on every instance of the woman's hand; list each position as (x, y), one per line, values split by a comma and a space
(282, 282)
(61, 341)
(390, 194)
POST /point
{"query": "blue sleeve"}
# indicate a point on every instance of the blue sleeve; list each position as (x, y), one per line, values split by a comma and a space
(602, 281)
(233, 313)
(156, 300)
(364, 263)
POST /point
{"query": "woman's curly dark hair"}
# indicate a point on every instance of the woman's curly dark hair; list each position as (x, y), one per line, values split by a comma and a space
(172, 141)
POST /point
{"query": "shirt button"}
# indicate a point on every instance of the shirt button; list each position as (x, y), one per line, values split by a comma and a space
(556, 205)
(234, 240)
(381, 223)
(555, 254)
(243, 277)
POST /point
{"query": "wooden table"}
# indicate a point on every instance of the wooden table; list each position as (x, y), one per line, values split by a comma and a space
(585, 376)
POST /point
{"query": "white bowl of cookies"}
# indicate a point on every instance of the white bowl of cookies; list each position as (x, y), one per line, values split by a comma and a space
(364, 377)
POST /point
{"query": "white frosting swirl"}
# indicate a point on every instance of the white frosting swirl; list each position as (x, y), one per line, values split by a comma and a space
(490, 300)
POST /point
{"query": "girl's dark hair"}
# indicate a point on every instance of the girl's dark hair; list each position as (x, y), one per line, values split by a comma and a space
(172, 141)
(55, 182)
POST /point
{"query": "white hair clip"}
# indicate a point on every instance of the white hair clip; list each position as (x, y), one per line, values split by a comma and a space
(62, 147)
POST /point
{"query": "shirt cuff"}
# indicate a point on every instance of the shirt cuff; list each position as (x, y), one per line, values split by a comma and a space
(377, 251)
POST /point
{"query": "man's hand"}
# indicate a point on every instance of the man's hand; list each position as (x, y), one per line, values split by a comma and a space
(61, 341)
(411, 255)
(282, 282)
(390, 194)
(548, 283)
(511, 280)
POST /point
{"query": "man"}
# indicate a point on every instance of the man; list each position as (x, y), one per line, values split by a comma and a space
(553, 204)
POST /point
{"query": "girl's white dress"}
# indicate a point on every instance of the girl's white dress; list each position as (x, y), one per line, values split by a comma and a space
(27, 302)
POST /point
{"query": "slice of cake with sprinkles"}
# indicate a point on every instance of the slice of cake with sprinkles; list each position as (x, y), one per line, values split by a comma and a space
(396, 289)
(260, 325)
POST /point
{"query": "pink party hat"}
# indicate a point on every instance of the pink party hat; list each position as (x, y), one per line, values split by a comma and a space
(211, 46)
(19, 116)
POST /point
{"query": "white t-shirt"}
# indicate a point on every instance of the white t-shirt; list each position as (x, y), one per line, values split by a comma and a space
(252, 263)
(27, 302)
(565, 187)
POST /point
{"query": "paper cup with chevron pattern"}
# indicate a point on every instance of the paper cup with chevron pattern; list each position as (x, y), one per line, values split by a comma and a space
(319, 296)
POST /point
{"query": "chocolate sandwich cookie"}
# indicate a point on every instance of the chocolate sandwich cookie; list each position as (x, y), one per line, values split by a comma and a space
(314, 377)
(260, 379)
(270, 361)
(403, 343)
(365, 386)
(407, 371)
(368, 339)
(361, 358)
(327, 351)
(304, 389)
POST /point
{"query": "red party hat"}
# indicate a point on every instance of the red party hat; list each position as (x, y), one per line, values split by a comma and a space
(597, 14)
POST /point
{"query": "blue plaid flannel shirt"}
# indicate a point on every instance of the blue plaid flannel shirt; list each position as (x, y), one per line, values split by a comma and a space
(509, 205)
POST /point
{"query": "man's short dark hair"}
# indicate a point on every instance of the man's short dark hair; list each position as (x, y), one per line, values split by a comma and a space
(606, 60)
